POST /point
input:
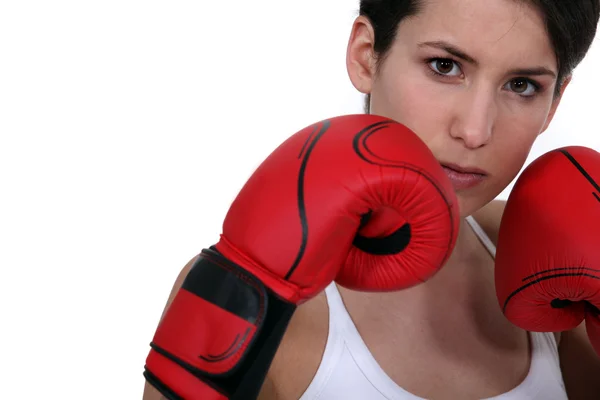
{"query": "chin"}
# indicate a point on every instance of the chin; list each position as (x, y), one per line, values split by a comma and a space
(470, 201)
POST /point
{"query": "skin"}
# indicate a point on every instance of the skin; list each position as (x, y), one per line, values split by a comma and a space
(480, 120)
(458, 343)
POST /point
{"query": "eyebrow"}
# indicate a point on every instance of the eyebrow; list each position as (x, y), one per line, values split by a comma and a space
(458, 53)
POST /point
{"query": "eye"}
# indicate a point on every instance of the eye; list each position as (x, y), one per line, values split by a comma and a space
(444, 66)
(522, 87)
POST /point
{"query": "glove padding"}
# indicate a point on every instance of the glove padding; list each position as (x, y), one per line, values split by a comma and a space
(359, 199)
(547, 258)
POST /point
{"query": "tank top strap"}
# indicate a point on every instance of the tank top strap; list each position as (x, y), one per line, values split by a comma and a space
(334, 347)
(483, 237)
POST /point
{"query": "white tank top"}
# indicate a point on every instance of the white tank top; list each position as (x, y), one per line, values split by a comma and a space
(349, 371)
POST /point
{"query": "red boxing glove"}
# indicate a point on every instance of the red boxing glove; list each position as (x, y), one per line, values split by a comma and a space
(359, 199)
(547, 258)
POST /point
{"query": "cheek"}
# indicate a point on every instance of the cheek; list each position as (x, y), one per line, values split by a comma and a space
(415, 104)
(509, 160)
(513, 138)
(515, 132)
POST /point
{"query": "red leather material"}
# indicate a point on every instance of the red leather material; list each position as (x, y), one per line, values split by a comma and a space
(548, 259)
(359, 199)
(294, 222)
(188, 386)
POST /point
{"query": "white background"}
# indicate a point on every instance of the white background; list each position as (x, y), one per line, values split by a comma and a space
(127, 127)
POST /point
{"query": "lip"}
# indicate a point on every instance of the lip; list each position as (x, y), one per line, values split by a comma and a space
(463, 177)
(463, 170)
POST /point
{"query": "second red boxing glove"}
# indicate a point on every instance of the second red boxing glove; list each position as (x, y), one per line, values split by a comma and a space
(548, 259)
(359, 199)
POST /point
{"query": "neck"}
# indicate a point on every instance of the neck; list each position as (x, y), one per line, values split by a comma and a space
(466, 244)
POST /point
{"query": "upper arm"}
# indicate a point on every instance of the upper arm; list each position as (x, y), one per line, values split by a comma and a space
(580, 365)
(150, 393)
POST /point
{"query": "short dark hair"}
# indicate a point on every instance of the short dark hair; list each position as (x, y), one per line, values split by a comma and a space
(571, 26)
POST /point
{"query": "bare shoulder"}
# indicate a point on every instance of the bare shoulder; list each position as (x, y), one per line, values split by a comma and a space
(489, 218)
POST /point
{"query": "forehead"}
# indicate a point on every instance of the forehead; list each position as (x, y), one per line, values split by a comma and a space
(511, 31)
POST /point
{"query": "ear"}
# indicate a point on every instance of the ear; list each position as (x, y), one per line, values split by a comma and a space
(360, 59)
(556, 102)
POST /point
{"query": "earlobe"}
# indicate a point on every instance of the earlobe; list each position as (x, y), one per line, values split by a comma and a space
(556, 102)
(360, 60)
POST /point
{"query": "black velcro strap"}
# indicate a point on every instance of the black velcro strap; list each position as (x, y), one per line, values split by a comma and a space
(224, 284)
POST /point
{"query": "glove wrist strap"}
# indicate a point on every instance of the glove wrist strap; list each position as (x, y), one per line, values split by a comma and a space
(226, 291)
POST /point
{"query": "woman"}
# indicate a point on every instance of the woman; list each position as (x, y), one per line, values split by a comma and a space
(478, 81)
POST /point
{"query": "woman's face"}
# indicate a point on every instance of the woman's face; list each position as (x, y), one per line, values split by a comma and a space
(474, 79)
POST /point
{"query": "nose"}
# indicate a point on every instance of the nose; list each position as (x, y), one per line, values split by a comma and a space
(474, 117)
